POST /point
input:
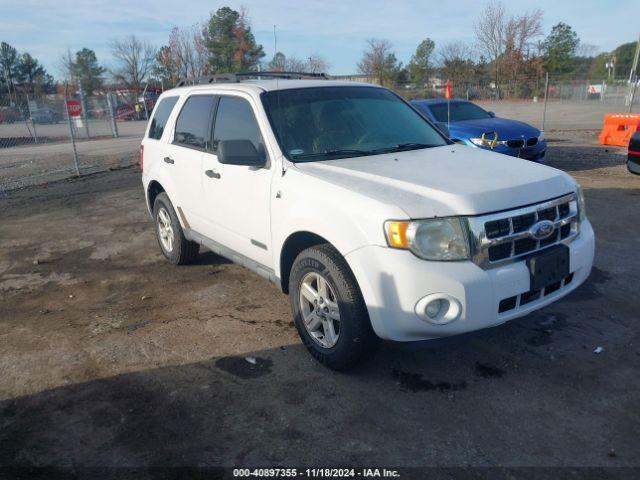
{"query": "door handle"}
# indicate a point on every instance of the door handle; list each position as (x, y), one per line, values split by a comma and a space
(212, 174)
(168, 160)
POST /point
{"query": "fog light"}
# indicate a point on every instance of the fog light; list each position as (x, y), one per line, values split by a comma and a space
(433, 308)
(438, 308)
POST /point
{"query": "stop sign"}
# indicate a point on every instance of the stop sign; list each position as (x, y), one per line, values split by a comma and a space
(74, 108)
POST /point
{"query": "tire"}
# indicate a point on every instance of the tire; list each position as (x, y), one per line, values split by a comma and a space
(355, 337)
(178, 250)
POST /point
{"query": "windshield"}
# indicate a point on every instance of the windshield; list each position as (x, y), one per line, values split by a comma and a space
(323, 123)
(459, 111)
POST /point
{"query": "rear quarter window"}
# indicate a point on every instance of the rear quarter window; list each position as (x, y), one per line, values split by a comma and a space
(160, 117)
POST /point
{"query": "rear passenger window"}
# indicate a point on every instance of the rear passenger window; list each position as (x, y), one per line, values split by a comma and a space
(235, 121)
(192, 126)
(160, 117)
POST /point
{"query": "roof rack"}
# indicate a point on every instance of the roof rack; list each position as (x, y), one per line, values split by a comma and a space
(237, 77)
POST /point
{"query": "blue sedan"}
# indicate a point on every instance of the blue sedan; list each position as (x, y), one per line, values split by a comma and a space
(472, 125)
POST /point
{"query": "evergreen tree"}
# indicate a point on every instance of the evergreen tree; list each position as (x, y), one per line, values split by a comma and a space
(420, 63)
(230, 42)
(87, 71)
(559, 49)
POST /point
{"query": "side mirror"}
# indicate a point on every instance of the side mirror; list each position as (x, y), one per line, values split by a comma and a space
(492, 114)
(240, 152)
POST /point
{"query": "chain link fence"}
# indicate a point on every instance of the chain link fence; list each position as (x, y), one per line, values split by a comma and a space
(556, 104)
(51, 137)
(41, 142)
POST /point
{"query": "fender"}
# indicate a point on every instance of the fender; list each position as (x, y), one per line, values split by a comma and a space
(153, 173)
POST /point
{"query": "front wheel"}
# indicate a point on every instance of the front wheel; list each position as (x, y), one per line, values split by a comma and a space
(329, 311)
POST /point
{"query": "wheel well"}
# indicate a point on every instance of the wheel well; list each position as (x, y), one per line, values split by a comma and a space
(292, 247)
(154, 190)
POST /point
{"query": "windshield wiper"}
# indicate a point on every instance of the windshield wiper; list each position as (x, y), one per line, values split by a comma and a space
(333, 153)
(403, 146)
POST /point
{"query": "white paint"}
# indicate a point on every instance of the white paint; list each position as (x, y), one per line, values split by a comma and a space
(347, 201)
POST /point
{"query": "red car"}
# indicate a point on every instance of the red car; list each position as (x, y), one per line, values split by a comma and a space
(126, 112)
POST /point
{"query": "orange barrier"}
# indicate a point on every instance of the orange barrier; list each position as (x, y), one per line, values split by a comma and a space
(618, 128)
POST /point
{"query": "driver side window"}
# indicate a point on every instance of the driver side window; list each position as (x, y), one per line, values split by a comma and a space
(235, 121)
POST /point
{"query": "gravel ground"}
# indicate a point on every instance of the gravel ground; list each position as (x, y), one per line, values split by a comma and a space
(109, 356)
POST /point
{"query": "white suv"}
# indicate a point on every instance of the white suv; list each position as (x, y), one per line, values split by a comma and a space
(354, 204)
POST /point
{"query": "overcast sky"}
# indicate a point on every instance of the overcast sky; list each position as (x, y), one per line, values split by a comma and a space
(334, 29)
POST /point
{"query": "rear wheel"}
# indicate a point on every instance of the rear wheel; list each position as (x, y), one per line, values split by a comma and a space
(329, 311)
(173, 244)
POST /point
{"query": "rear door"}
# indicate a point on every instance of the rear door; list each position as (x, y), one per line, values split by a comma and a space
(184, 157)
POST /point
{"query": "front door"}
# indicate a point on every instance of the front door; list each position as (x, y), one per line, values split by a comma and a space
(238, 197)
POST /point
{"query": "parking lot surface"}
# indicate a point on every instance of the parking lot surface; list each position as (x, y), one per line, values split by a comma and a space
(109, 356)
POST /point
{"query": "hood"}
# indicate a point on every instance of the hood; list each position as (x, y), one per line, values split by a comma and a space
(507, 129)
(445, 181)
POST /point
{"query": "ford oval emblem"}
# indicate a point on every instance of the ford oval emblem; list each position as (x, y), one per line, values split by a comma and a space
(541, 230)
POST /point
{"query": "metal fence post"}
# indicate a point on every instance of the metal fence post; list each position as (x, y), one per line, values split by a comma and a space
(83, 105)
(546, 94)
(144, 101)
(33, 123)
(71, 134)
(112, 117)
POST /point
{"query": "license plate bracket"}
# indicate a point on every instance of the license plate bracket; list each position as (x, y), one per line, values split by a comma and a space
(548, 267)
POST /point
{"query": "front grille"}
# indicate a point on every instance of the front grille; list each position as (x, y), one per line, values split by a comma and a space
(548, 214)
(532, 141)
(515, 143)
(507, 236)
(499, 252)
(516, 301)
(522, 223)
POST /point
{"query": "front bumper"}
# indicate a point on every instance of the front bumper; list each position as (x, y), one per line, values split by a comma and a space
(535, 153)
(394, 281)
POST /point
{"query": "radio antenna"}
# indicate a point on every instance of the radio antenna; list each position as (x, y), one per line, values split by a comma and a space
(279, 120)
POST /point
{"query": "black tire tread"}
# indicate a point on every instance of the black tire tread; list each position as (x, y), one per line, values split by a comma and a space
(363, 339)
(184, 251)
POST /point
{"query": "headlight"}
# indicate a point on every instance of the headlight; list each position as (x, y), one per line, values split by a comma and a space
(582, 212)
(443, 239)
(488, 139)
(541, 137)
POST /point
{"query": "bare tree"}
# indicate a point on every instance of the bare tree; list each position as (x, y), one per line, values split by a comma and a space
(134, 58)
(454, 51)
(520, 34)
(65, 66)
(282, 63)
(378, 60)
(455, 61)
(294, 64)
(314, 64)
(188, 52)
(489, 30)
(317, 64)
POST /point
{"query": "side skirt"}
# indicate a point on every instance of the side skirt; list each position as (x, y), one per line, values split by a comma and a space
(235, 257)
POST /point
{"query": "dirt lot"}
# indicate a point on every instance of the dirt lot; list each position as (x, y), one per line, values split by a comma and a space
(109, 356)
